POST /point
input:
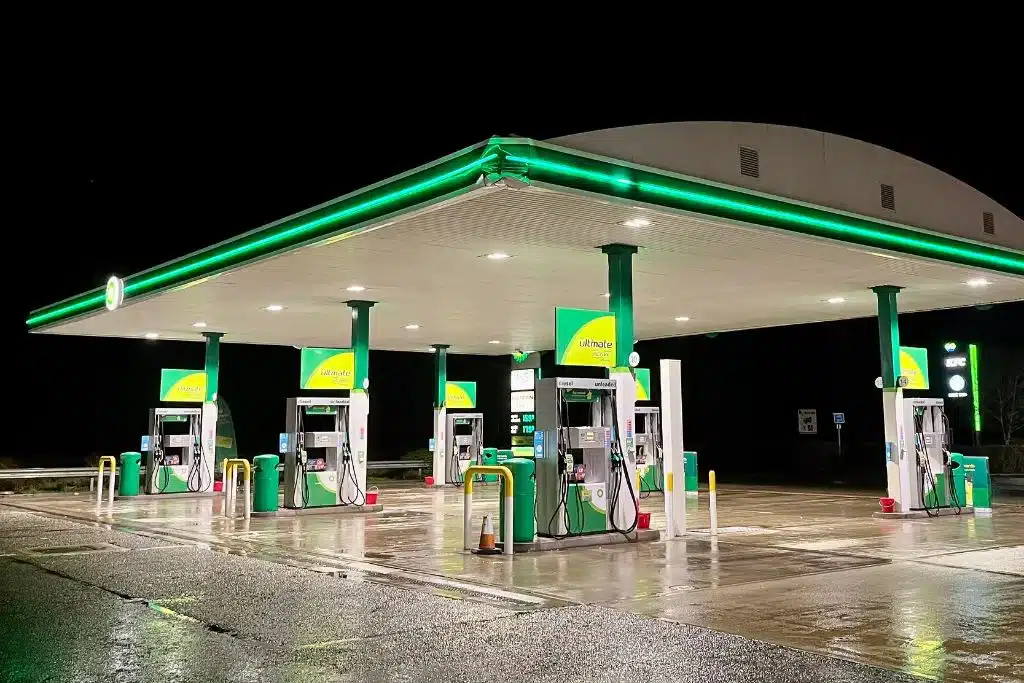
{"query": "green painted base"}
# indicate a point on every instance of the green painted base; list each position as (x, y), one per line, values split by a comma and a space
(586, 498)
(169, 480)
(690, 471)
(322, 491)
(937, 497)
(650, 478)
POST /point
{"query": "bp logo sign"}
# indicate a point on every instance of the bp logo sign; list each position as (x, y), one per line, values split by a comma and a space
(114, 293)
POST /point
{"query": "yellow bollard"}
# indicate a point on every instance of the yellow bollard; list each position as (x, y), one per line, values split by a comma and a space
(713, 502)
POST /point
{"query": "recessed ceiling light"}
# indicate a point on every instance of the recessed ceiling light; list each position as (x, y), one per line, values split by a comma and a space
(355, 288)
(151, 335)
(498, 256)
(978, 282)
(836, 300)
(606, 295)
(274, 308)
(412, 326)
(636, 223)
(431, 349)
(199, 324)
(494, 341)
(682, 319)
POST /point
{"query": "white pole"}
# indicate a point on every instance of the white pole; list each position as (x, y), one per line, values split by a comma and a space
(672, 447)
(509, 541)
(229, 491)
(99, 483)
(113, 469)
(467, 517)
(248, 499)
(713, 502)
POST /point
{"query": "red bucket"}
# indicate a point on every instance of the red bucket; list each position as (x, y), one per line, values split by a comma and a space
(429, 481)
(371, 496)
(218, 486)
(888, 504)
(643, 520)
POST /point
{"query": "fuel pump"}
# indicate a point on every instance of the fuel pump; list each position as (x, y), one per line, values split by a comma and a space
(581, 459)
(464, 436)
(319, 469)
(926, 468)
(173, 451)
(650, 461)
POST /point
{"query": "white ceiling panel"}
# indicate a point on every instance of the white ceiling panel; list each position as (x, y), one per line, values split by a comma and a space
(430, 269)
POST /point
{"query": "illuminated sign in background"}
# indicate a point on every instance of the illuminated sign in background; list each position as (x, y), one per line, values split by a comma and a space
(960, 382)
(523, 417)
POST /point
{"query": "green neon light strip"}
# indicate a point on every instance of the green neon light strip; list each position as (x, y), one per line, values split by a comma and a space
(204, 265)
(733, 204)
(972, 350)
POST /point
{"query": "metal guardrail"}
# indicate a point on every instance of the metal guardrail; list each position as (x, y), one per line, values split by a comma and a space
(90, 472)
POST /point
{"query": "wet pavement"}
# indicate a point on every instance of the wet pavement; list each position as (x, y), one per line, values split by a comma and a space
(393, 597)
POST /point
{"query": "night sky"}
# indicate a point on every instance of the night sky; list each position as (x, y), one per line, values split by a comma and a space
(120, 178)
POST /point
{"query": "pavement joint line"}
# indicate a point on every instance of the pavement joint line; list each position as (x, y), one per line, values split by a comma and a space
(270, 554)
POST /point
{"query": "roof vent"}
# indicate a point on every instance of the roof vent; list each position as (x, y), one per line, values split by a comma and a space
(750, 162)
(888, 197)
(988, 222)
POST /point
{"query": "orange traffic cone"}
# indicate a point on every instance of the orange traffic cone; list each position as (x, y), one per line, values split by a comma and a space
(487, 538)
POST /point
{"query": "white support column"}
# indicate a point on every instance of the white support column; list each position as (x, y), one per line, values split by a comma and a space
(672, 443)
(898, 461)
(358, 434)
(208, 444)
(440, 419)
(625, 399)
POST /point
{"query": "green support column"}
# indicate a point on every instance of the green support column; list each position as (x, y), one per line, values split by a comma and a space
(361, 342)
(440, 373)
(620, 287)
(212, 366)
(888, 334)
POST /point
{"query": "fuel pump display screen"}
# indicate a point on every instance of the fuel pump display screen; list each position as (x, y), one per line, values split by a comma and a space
(579, 473)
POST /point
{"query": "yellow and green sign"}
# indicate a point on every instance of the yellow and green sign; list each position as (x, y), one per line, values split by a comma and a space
(459, 395)
(914, 366)
(327, 369)
(643, 383)
(186, 386)
(584, 337)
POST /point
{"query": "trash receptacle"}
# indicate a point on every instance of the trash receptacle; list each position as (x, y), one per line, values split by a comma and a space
(264, 496)
(690, 471)
(503, 455)
(490, 457)
(129, 484)
(977, 484)
(523, 523)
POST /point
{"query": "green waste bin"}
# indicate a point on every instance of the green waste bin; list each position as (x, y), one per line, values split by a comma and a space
(503, 455)
(524, 487)
(690, 471)
(264, 496)
(490, 457)
(129, 484)
(977, 484)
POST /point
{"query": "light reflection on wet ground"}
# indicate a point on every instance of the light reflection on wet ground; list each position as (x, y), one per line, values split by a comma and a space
(810, 569)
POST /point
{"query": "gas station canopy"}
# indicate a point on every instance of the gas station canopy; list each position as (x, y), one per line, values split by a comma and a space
(475, 250)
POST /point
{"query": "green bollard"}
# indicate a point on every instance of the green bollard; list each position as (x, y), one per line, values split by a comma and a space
(264, 497)
(524, 526)
(129, 484)
(690, 471)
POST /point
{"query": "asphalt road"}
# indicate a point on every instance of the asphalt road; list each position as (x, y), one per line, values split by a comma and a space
(82, 602)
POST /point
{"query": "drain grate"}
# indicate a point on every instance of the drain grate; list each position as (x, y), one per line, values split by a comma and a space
(74, 549)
